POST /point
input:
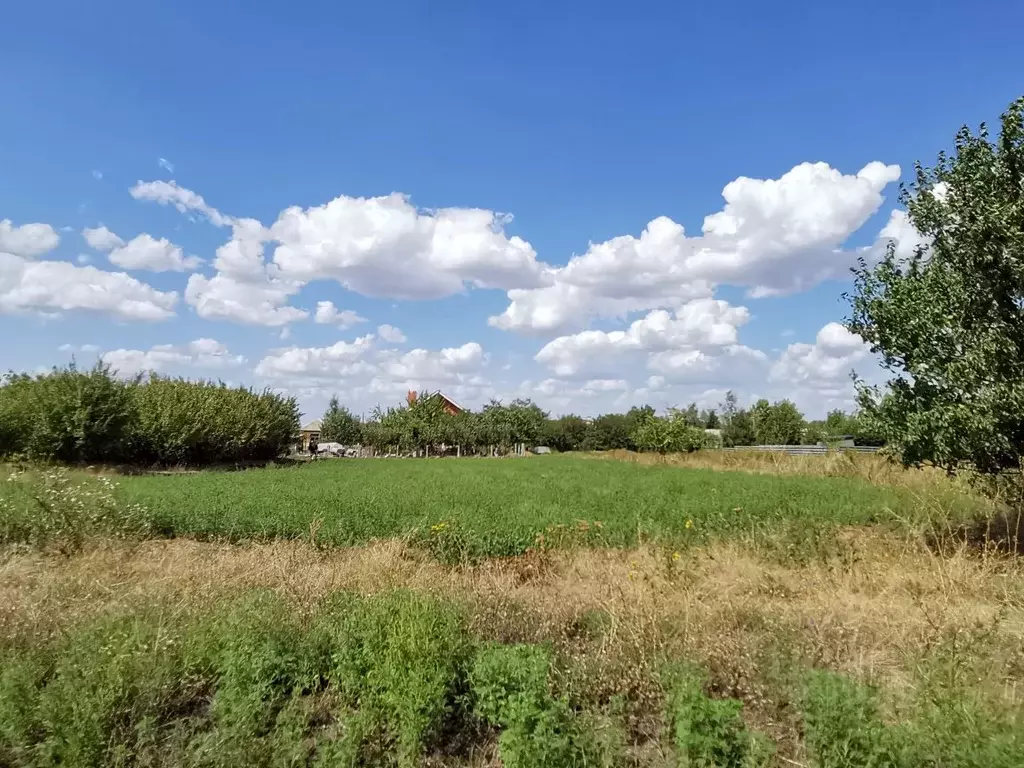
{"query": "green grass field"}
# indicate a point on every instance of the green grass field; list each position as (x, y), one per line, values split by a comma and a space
(492, 507)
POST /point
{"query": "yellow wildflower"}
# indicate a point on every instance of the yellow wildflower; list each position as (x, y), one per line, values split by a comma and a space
(689, 523)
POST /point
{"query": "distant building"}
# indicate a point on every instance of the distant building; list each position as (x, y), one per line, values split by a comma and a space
(450, 406)
(310, 433)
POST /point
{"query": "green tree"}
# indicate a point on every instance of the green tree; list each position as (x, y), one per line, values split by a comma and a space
(737, 423)
(566, 433)
(526, 421)
(672, 433)
(780, 423)
(608, 432)
(339, 424)
(692, 416)
(710, 419)
(72, 415)
(948, 320)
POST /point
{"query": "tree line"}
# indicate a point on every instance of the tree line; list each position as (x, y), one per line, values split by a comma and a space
(92, 416)
(423, 425)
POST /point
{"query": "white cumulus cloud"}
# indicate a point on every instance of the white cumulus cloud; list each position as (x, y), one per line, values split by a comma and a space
(28, 240)
(147, 252)
(386, 247)
(369, 372)
(245, 288)
(201, 353)
(328, 314)
(826, 362)
(85, 348)
(391, 334)
(49, 287)
(344, 358)
(664, 341)
(773, 236)
(101, 238)
(185, 200)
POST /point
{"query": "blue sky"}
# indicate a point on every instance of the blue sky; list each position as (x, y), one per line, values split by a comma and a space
(521, 136)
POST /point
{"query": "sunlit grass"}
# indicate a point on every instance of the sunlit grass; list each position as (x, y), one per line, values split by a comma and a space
(501, 507)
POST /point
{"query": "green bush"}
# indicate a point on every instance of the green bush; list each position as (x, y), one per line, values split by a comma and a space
(103, 696)
(843, 726)
(944, 723)
(259, 662)
(199, 422)
(22, 676)
(510, 687)
(68, 415)
(91, 416)
(707, 732)
(397, 660)
(668, 434)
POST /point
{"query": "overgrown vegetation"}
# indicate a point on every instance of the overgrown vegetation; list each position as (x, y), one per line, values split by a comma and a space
(84, 417)
(383, 680)
(50, 509)
(164, 671)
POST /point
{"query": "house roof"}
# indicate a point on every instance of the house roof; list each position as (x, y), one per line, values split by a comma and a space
(314, 426)
(444, 396)
(436, 393)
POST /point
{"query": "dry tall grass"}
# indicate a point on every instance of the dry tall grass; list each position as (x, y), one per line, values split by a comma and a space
(876, 610)
(872, 467)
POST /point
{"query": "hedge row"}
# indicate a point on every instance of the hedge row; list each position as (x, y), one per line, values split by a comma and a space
(92, 416)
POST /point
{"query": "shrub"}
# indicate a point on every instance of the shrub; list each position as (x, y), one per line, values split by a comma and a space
(108, 694)
(707, 732)
(397, 660)
(510, 687)
(259, 660)
(22, 675)
(944, 723)
(200, 422)
(668, 434)
(843, 725)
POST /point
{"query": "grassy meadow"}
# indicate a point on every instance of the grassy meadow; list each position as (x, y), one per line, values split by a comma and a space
(485, 507)
(713, 610)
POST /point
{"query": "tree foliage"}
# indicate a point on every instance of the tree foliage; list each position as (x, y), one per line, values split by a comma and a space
(339, 424)
(778, 423)
(948, 320)
(78, 416)
(672, 433)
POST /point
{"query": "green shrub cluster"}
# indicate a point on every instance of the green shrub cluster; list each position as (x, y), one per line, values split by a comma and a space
(510, 684)
(672, 433)
(944, 725)
(707, 732)
(75, 416)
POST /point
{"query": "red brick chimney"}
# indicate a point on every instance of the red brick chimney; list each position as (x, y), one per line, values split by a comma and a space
(411, 397)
